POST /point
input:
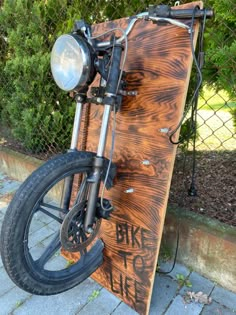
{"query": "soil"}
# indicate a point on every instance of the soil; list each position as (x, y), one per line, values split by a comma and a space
(215, 183)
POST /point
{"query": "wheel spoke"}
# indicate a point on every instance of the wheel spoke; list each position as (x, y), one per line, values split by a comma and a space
(83, 236)
(49, 251)
(47, 205)
(50, 215)
(83, 190)
(83, 239)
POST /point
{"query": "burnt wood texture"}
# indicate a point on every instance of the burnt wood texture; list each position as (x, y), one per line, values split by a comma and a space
(158, 67)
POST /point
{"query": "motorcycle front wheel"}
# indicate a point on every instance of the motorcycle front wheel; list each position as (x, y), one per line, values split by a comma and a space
(31, 230)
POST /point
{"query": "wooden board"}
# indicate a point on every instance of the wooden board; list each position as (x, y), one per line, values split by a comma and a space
(158, 67)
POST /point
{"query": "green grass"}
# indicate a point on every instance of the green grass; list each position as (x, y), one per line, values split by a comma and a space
(212, 100)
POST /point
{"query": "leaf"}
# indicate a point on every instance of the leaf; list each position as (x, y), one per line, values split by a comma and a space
(94, 295)
(198, 297)
(188, 284)
(180, 276)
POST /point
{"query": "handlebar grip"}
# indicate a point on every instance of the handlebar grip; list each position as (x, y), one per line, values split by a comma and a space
(188, 13)
(164, 11)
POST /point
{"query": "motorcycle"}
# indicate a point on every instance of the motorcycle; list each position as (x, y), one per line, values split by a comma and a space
(76, 60)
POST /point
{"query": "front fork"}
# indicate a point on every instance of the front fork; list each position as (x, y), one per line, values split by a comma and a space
(110, 95)
(95, 178)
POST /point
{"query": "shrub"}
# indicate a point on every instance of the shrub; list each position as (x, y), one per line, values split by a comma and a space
(220, 38)
(30, 102)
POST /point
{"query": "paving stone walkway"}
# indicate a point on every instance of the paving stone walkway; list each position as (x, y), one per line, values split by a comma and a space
(89, 298)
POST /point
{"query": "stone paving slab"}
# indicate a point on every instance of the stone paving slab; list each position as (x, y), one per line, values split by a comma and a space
(104, 304)
(13, 299)
(90, 298)
(9, 188)
(224, 297)
(122, 309)
(40, 235)
(5, 283)
(67, 303)
(8, 185)
(217, 309)
(164, 291)
(179, 307)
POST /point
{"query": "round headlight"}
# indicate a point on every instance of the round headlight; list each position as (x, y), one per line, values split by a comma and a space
(72, 62)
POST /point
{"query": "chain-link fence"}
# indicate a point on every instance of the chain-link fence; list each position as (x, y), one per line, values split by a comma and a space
(217, 104)
(216, 122)
(37, 118)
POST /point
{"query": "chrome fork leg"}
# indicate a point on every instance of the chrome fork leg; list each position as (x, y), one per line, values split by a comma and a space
(67, 189)
(104, 129)
(76, 126)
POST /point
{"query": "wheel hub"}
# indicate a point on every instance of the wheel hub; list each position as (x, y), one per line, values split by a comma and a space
(72, 234)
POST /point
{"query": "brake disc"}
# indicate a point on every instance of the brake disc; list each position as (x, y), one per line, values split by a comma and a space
(72, 234)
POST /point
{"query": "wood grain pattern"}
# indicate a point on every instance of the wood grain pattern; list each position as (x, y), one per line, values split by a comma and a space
(158, 67)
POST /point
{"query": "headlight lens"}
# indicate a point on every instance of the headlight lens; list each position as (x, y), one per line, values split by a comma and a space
(72, 62)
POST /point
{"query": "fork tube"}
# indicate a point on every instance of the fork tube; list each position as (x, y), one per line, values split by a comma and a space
(76, 126)
(68, 184)
(96, 177)
(104, 129)
(66, 194)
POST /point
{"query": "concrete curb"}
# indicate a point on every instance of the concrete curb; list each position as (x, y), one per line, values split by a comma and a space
(17, 165)
(206, 245)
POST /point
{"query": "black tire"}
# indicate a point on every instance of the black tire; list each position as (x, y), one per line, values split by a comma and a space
(17, 247)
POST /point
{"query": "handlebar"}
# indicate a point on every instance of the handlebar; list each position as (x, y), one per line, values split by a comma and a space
(164, 13)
